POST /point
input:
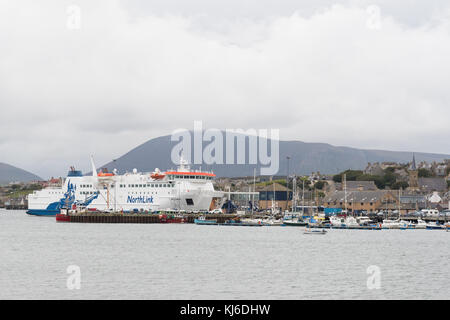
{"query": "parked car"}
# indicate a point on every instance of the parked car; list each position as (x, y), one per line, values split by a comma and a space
(417, 214)
(445, 213)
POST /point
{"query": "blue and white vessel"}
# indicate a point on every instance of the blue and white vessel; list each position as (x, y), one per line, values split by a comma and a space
(180, 189)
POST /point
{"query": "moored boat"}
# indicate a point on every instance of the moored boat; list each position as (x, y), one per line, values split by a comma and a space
(204, 221)
(171, 219)
(434, 226)
(181, 188)
(295, 222)
(390, 224)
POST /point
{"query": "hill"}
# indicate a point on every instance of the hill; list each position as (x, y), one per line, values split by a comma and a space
(10, 173)
(305, 158)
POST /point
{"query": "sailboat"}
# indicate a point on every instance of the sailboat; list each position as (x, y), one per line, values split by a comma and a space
(295, 221)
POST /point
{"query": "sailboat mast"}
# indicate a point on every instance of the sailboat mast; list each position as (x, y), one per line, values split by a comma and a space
(254, 188)
(294, 192)
(345, 193)
(303, 198)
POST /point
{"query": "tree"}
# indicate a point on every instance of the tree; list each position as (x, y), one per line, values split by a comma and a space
(352, 175)
(320, 185)
(400, 185)
(425, 173)
(389, 179)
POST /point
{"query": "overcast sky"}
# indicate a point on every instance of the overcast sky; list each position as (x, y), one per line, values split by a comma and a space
(367, 74)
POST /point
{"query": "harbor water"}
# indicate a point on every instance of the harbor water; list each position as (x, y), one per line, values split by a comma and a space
(188, 261)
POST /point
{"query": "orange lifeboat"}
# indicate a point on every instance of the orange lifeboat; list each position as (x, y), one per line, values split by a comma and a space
(105, 173)
(157, 175)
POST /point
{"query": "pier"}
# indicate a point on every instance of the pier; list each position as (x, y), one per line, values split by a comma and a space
(139, 218)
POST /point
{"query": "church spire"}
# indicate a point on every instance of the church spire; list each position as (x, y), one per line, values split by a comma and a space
(413, 165)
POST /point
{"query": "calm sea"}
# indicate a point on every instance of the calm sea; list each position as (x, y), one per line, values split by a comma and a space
(155, 261)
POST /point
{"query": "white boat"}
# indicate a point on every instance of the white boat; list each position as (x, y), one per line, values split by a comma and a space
(434, 226)
(272, 222)
(351, 223)
(421, 224)
(182, 189)
(337, 222)
(390, 224)
(403, 225)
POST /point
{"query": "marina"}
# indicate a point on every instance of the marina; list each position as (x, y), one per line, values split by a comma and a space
(342, 223)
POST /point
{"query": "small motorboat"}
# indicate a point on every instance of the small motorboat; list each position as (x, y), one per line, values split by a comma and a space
(204, 221)
(390, 224)
(272, 222)
(309, 231)
(404, 225)
(434, 226)
(421, 224)
(236, 222)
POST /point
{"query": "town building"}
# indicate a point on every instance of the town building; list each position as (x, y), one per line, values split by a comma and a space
(358, 201)
(275, 194)
(357, 186)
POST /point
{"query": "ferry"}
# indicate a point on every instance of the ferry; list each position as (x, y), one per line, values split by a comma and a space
(181, 189)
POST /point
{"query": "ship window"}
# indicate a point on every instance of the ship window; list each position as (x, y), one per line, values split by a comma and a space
(189, 202)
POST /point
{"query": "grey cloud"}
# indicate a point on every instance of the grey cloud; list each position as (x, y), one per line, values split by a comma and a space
(128, 75)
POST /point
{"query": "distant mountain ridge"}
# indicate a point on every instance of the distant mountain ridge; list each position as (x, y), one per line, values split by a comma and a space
(304, 158)
(9, 173)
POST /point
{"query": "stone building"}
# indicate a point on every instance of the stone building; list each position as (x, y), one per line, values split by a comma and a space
(281, 196)
(357, 186)
(357, 201)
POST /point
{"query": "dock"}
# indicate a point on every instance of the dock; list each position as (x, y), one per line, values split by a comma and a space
(139, 218)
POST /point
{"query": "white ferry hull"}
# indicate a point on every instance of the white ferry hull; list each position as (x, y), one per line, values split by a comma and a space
(176, 190)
